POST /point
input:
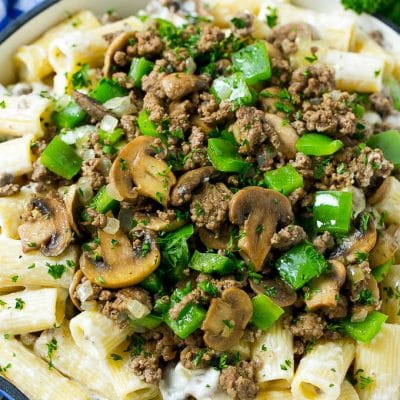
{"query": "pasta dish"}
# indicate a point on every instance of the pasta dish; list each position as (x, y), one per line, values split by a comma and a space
(202, 201)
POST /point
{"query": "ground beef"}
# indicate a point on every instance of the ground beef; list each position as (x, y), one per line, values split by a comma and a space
(212, 112)
(288, 237)
(147, 367)
(381, 103)
(179, 115)
(156, 108)
(284, 37)
(252, 128)
(296, 196)
(333, 115)
(240, 381)
(340, 310)
(194, 357)
(211, 38)
(324, 242)
(42, 174)
(129, 127)
(177, 58)
(209, 206)
(149, 43)
(92, 169)
(9, 189)
(310, 82)
(304, 166)
(194, 297)
(97, 219)
(151, 83)
(308, 326)
(244, 25)
(197, 138)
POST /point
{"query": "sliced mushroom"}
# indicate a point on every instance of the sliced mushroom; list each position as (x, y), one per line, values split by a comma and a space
(197, 121)
(136, 171)
(120, 264)
(281, 293)
(258, 211)
(324, 290)
(182, 192)
(91, 106)
(226, 319)
(384, 250)
(74, 207)
(48, 229)
(286, 134)
(215, 240)
(178, 85)
(118, 44)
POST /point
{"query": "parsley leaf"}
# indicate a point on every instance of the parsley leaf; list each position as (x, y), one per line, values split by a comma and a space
(56, 270)
(81, 78)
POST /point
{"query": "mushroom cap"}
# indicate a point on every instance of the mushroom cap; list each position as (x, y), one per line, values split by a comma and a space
(189, 181)
(49, 230)
(121, 264)
(215, 240)
(180, 84)
(234, 306)
(136, 171)
(74, 207)
(254, 207)
(385, 248)
(282, 294)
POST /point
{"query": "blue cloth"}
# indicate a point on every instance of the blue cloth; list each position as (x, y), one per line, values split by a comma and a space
(10, 9)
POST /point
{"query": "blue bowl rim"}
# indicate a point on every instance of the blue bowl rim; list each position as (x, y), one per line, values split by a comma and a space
(10, 390)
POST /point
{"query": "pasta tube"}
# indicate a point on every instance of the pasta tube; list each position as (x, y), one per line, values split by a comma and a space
(31, 310)
(16, 157)
(347, 392)
(275, 395)
(377, 365)
(321, 372)
(33, 376)
(32, 60)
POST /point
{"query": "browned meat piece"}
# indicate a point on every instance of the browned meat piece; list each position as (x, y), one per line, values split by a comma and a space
(193, 357)
(129, 127)
(381, 103)
(194, 297)
(92, 169)
(244, 24)
(288, 237)
(179, 114)
(149, 43)
(308, 326)
(313, 81)
(324, 242)
(240, 381)
(209, 207)
(146, 367)
(95, 110)
(210, 38)
(177, 58)
(7, 185)
(151, 83)
(213, 113)
(155, 106)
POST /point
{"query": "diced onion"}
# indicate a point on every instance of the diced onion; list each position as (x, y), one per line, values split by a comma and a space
(84, 291)
(120, 106)
(89, 305)
(112, 226)
(137, 310)
(113, 192)
(86, 190)
(355, 273)
(108, 123)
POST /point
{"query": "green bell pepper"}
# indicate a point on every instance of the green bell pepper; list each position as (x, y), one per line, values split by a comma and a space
(380, 272)
(394, 89)
(146, 125)
(332, 211)
(139, 68)
(232, 88)
(210, 263)
(111, 138)
(366, 330)
(107, 89)
(188, 321)
(284, 180)
(152, 283)
(253, 62)
(102, 202)
(389, 143)
(68, 117)
(314, 144)
(300, 264)
(149, 321)
(224, 156)
(61, 158)
(265, 312)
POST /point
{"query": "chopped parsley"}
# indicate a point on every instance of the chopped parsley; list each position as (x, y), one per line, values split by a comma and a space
(19, 303)
(260, 228)
(264, 347)
(51, 348)
(5, 368)
(272, 16)
(286, 365)
(238, 23)
(341, 169)
(207, 287)
(135, 346)
(6, 336)
(145, 249)
(228, 323)
(361, 256)
(366, 297)
(270, 291)
(198, 357)
(361, 380)
(33, 265)
(32, 245)
(122, 164)
(2, 104)
(56, 270)
(116, 357)
(114, 243)
(198, 209)
(100, 280)
(364, 222)
(81, 78)
(14, 278)
(312, 58)
(2, 303)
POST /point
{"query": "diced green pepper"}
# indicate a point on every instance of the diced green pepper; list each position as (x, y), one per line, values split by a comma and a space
(139, 68)
(107, 89)
(265, 312)
(314, 144)
(366, 330)
(165, 28)
(253, 62)
(380, 272)
(103, 202)
(150, 321)
(224, 156)
(111, 137)
(300, 264)
(68, 117)
(152, 283)
(284, 180)
(389, 143)
(61, 158)
(189, 320)
(232, 88)
(332, 211)
(146, 125)
(394, 89)
(210, 263)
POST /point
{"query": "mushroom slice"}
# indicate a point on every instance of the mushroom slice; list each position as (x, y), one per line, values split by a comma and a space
(286, 134)
(118, 44)
(135, 166)
(384, 249)
(258, 211)
(178, 85)
(215, 240)
(91, 106)
(281, 293)
(48, 227)
(182, 192)
(324, 290)
(121, 264)
(226, 319)
(74, 207)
